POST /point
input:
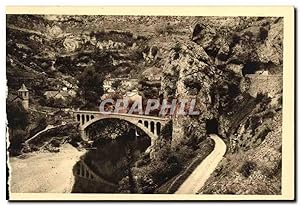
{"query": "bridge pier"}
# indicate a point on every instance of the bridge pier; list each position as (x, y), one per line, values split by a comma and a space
(155, 129)
(83, 135)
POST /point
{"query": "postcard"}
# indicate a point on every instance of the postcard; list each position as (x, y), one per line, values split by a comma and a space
(150, 103)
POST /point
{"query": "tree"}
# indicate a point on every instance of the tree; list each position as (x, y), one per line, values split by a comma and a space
(17, 116)
(18, 120)
(116, 84)
(90, 86)
(56, 102)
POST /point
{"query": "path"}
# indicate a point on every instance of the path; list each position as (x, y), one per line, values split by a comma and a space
(42, 131)
(199, 176)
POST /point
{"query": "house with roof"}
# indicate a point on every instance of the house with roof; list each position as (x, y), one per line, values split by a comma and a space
(22, 97)
(63, 94)
(124, 84)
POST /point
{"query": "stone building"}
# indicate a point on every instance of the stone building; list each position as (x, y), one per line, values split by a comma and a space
(124, 84)
(22, 96)
(23, 93)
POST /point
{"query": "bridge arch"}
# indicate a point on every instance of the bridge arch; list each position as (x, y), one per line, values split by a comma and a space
(148, 124)
(145, 130)
(90, 122)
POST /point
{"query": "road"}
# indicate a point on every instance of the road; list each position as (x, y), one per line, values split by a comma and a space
(200, 175)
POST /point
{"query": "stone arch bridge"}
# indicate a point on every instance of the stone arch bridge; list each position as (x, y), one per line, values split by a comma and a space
(151, 125)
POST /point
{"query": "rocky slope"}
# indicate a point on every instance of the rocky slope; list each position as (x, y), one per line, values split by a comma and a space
(214, 70)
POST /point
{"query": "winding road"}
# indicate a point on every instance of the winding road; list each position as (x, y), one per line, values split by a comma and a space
(200, 175)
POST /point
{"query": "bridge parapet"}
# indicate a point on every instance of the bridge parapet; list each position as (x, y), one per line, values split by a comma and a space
(121, 115)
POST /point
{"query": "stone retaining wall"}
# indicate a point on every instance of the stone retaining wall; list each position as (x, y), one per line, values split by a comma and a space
(270, 84)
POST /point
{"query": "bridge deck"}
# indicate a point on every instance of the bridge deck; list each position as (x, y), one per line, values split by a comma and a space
(121, 114)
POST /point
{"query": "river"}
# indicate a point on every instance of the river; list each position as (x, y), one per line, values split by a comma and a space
(110, 160)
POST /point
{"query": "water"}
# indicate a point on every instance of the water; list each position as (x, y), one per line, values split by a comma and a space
(108, 162)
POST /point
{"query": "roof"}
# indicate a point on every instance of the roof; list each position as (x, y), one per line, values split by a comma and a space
(153, 73)
(12, 98)
(51, 93)
(23, 88)
(57, 94)
(131, 94)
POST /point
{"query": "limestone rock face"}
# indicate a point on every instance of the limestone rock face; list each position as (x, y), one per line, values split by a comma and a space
(243, 58)
(272, 49)
(211, 67)
(189, 72)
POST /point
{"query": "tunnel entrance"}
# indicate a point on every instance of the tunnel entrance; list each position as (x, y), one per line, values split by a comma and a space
(250, 68)
(212, 126)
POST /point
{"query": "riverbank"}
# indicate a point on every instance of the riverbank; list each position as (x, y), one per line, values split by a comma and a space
(44, 171)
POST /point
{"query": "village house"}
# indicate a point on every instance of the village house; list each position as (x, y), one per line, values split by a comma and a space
(22, 97)
(124, 84)
(63, 94)
(133, 96)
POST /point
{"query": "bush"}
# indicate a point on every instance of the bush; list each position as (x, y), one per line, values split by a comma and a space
(34, 148)
(184, 153)
(247, 168)
(74, 139)
(16, 142)
(42, 101)
(166, 132)
(162, 29)
(145, 185)
(58, 103)
(263, 98)
(55, 143)
(41, 123)
(270, 172)
(141, 162)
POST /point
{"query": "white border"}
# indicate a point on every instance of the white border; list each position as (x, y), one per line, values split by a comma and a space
(111, 2)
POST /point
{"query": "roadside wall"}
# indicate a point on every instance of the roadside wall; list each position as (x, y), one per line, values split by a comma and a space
(270, 84)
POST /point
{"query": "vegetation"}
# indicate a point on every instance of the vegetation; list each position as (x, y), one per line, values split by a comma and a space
(17, 116)
(90, 87)
(18, 120)
(205, 148)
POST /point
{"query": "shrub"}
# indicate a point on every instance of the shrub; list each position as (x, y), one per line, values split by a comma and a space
(74, 139)
(146, 184)
(247, 168)
(162, 29)
(40, 125)
(141, 163)
(16, 142)
(280, 100)
(55, 143)
(166, 132)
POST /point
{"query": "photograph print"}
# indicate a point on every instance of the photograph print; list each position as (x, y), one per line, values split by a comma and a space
(146, 104)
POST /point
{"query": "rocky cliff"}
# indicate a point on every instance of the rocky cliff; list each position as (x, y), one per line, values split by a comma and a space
(214, 68)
